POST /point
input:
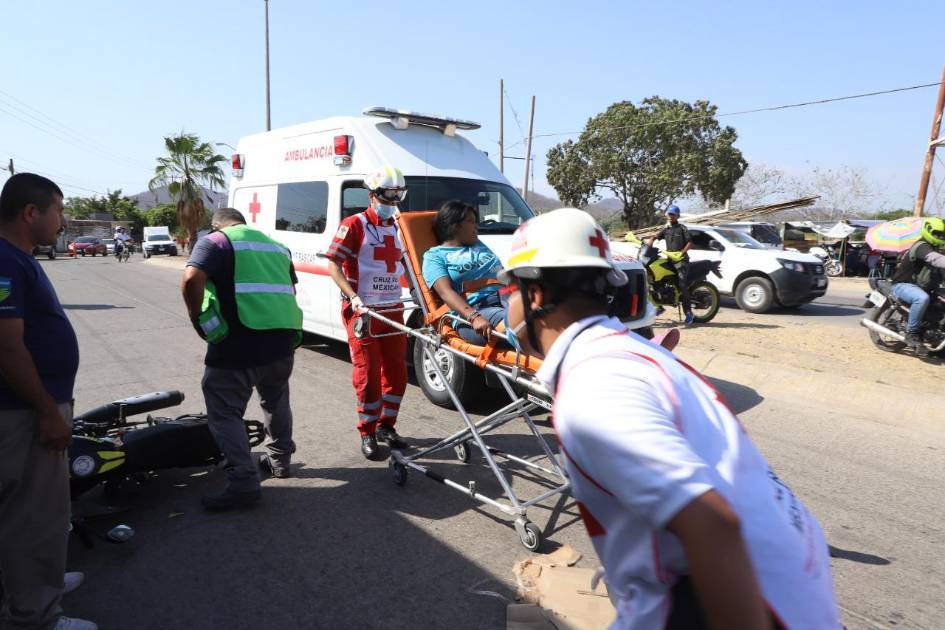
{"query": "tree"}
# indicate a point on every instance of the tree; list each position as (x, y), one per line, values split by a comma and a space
(163, 214)
(760, 184)
(189, 165)
(648, 156)
(892, 215)
(121, 208)
(844, 192)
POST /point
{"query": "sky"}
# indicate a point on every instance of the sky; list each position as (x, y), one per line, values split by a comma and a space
(89, 89)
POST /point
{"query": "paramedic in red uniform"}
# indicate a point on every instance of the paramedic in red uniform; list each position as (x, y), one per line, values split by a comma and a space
(364, 260)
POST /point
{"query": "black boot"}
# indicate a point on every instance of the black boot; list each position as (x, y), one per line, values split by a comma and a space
(368, 446)
(914, 341)
(387, 434)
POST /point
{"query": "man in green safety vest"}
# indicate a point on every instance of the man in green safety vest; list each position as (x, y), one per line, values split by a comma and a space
(239, 288)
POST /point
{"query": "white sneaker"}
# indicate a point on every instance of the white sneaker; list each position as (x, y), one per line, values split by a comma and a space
(71, 623)
(72, 581)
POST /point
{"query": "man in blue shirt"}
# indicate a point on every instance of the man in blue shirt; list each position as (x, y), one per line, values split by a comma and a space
(39, 358)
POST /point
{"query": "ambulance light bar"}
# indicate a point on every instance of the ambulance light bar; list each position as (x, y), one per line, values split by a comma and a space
(401, 119)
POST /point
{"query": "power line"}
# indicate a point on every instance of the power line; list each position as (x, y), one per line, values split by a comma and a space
(23, 108)
(746, 111)
(64, 181)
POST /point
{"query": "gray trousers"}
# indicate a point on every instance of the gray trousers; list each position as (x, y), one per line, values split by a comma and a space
(34, 522)
(226, 393)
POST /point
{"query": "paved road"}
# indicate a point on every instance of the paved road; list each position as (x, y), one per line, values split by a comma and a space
(340, 546)
(841, 306)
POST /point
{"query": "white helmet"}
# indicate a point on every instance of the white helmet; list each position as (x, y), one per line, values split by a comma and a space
(567, 238)
(387, 183)
(120, 228)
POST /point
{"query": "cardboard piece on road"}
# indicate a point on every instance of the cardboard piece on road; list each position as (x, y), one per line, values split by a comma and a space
(558, 595)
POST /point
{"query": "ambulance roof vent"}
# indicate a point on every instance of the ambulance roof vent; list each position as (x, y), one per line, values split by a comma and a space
(402, 118)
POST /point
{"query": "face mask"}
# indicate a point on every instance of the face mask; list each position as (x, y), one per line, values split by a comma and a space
(384, 211)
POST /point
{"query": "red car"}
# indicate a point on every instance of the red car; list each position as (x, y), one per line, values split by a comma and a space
(89, 245)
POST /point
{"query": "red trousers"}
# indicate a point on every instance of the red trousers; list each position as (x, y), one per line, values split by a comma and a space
(379, 370)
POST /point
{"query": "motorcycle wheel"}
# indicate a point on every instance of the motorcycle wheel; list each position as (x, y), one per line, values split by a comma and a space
(833, 269)
(705, 301)
(882, 316)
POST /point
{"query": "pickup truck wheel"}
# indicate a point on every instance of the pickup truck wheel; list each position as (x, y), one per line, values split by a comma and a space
(755, 294)
(467, 381)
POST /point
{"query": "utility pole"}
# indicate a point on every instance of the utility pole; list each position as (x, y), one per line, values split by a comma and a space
(528, 151)
(268, 120)
(934, 141)
(9, 167)
(501, 126)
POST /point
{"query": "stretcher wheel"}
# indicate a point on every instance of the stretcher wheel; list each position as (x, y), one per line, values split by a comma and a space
(531, 537)
(398, 472)
(463, 451)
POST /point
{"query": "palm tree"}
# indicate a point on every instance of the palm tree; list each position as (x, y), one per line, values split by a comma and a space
(189, 166)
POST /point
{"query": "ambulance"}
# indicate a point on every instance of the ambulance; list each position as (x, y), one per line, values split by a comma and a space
(297, 183)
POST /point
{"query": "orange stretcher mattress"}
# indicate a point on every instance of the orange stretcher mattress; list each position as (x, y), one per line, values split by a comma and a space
(416, 233)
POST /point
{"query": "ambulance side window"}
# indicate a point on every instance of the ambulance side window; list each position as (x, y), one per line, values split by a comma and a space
(354, 198)
(302, 207)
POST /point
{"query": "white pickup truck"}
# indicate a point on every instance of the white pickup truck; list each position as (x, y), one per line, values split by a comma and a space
(760, 278)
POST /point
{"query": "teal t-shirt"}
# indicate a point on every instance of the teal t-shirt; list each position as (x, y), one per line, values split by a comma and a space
(462, 264)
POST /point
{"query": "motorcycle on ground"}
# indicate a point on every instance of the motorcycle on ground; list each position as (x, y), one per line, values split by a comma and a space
(110, 450)
(664, 288)
(887, 319)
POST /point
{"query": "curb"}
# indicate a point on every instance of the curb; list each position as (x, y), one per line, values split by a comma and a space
(816, 388)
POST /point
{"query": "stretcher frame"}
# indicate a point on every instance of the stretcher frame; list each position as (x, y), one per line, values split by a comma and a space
(526, 395)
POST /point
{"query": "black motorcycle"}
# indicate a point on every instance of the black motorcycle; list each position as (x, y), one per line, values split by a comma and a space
(109, 449)
(888, 318)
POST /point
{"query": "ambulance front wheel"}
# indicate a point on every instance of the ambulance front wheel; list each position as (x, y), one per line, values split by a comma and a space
(530, 535)
(465, 379)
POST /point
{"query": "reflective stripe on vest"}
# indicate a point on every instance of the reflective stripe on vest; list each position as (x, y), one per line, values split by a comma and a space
(261, 287)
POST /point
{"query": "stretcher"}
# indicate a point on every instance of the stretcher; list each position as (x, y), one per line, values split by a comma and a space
(514, 371)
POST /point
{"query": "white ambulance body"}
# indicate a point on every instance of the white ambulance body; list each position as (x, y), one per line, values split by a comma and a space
(297, 183)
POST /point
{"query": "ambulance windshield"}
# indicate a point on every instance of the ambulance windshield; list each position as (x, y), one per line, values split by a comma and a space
(501, 208)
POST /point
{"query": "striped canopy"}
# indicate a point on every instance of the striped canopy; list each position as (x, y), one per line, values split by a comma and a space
(894, 236)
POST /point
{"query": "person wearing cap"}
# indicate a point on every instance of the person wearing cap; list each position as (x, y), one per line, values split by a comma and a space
(693, 527)
(364, 260)
(677, 239)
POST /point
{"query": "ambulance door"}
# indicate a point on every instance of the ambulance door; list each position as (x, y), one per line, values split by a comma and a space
(300, 223)
(353, 199)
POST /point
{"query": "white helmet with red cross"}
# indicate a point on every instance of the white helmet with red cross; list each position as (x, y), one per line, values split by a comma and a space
(388, 183)
(567, 238)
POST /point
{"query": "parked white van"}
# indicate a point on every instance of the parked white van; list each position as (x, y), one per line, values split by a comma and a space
(297, 184)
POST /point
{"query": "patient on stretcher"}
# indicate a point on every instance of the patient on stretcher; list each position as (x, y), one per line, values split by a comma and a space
(462, 271)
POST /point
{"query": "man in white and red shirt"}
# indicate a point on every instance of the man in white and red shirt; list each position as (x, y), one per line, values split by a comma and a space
(364, 260)
(692, 526)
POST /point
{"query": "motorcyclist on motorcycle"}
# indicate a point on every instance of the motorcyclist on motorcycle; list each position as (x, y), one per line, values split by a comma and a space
(916, 272)
(678, 242)
(121, 239)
